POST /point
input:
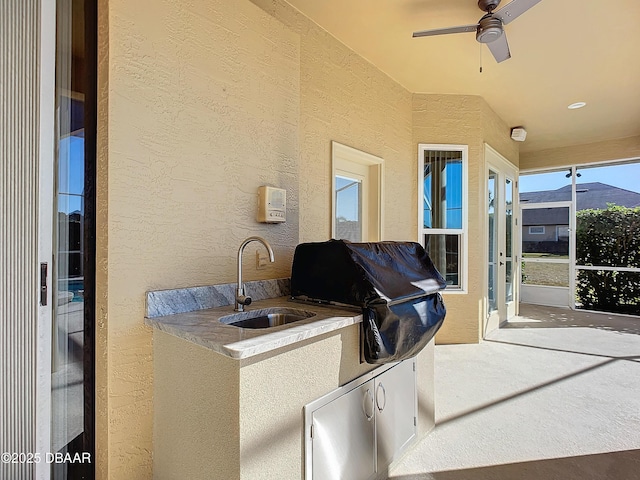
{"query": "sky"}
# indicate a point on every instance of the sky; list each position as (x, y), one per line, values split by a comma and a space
(622, 176)
(347, 206)
(70, 174)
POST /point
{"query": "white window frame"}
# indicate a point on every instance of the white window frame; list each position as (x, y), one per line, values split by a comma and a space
(355, 163)
(463, 273)
(531, 232)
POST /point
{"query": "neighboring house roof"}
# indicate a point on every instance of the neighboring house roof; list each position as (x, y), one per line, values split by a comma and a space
(348, 229)
(594, 195)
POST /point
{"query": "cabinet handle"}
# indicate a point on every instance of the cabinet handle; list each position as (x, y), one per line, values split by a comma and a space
(366, 401)
(384, 397)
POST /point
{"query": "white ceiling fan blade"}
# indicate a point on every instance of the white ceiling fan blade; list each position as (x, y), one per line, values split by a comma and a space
(513, 10)
(500, 48)
(444, 31)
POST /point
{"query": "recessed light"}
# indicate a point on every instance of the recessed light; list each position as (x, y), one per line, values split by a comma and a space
(576, 105)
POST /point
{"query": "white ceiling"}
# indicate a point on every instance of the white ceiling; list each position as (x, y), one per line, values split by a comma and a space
(563, 51)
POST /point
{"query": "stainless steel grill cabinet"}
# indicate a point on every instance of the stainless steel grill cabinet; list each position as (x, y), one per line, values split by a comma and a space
(356, 431)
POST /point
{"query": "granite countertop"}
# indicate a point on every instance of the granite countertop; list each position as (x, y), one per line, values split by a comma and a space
(203, 327)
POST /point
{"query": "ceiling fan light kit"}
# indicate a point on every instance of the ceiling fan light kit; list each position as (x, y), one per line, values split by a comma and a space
(490, 28)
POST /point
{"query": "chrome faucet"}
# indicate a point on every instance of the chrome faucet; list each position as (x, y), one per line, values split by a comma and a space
(241, 298)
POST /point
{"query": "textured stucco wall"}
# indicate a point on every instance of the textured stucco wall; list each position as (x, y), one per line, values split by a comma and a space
(618, 149)
(200, 101)
(497, 134)
(102, 247)
(346, 99)
(465, 120)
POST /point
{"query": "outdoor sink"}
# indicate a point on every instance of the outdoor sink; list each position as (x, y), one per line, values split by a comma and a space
(266, 317)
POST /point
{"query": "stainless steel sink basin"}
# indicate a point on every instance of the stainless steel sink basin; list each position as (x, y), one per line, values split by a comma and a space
(266, 317)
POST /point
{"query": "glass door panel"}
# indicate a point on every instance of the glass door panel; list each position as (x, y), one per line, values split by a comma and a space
(508, 240)
(546, 247)
(493, 244)
(68, 342)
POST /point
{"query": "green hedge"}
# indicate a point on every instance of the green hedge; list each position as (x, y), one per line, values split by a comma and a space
(609, 237)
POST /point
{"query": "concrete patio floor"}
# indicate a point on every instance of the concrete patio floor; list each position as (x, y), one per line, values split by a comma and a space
(554, 394)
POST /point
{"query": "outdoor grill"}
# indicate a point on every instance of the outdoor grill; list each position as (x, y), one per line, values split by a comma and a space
(395, 284)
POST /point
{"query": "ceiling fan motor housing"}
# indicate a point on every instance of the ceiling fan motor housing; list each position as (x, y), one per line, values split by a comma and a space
(488, 5)
(489, 29)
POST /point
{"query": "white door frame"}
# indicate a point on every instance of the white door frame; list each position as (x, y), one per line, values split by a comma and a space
(505, 310)
(549, 295)
(45, 231)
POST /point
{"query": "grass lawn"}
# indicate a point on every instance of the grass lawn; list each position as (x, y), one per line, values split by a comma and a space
(551, 274)
(544, 255)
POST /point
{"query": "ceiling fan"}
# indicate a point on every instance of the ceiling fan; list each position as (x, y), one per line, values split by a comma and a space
(490, 28)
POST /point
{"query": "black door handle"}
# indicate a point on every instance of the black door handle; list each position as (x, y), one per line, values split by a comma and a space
(43, 284)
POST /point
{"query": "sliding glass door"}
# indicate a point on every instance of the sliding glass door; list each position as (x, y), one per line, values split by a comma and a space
(72, 325)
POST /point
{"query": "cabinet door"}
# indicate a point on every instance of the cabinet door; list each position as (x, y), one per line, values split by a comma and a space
(343, 436)
(395, 399)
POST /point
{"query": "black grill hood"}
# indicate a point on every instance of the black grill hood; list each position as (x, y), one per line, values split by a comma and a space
(394, 283)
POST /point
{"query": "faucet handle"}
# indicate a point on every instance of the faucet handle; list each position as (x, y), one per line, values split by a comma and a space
(243, 299)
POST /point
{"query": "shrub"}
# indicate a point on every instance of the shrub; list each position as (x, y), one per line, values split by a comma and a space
(609, 237)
